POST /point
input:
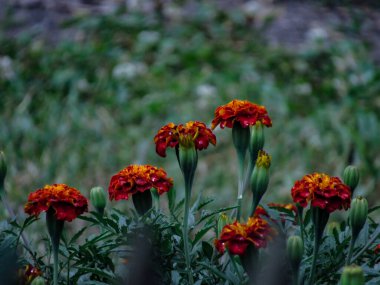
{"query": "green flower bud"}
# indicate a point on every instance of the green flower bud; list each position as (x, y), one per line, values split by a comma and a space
(222, 221)
(257, 140)
(358, 215)
(351, 177)
(331, 227)
(98, 199)
(3, 170)
(38, 281)
(260, 178)
(240, 138)
(352, 275)
(294, 248)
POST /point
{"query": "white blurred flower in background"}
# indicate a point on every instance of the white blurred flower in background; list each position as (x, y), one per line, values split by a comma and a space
(317, 34)
(129, 70)
(6, 68)
(148, 37)
(206, 94)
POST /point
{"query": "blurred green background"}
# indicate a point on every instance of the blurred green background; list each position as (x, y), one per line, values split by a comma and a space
(84, 99)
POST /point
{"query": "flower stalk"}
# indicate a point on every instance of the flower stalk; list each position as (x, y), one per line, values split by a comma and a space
(240, 138)
(55, 228)
(320, 218)
(187, 159)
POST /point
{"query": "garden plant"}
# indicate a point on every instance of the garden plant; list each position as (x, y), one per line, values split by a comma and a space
(167, 239)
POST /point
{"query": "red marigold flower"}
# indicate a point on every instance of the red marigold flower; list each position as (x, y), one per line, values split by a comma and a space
(260, 212)
(138, 178)
(241, 111)
(28, 274)
(323, 191)
(237, 237)
(188, 135)
(67, 202)
(377, 249)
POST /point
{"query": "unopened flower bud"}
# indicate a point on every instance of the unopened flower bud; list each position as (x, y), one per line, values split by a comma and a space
(98, 199)
(351, 177)
(222, 221)
(3, 170)
(257, 140)
(294, 248)
(331, 227)
(260, 178)
(358, 214)
(352, 275)
(38, 281)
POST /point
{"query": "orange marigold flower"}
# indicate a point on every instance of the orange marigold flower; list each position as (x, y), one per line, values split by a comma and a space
(237, 237)
(187, 135)
(377, 249)
(67, 202)
(138, 178)
(288, 206)
(28, 274)
(241, 111)
(323, 191)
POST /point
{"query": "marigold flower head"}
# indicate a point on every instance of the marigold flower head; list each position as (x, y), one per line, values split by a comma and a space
(28, 274)
(263, 159)
(240, 111)
(323, 191)
(187, 135)
(377, 249)
(288, 206)
(260, 212)
(237, 237)
(67, 202)
(138, 178)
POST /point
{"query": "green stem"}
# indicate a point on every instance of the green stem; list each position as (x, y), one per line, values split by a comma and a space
(314, 262)
(55, 265)
(295, 276)
(235, 266)
(186, 232)
(300, 221)
(319, 220)
(55, 228)
(241, 157)
(247, 176)
(369, 243)
(351, 249)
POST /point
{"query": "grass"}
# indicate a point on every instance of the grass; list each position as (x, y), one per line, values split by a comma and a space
(80, 110)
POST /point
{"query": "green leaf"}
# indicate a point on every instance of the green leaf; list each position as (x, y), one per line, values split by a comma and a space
(213, 213)
(207, 249)
(77, 235)
(171, 194)
(201, 233)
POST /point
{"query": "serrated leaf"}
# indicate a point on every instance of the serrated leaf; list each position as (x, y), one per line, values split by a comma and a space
(201, 233)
